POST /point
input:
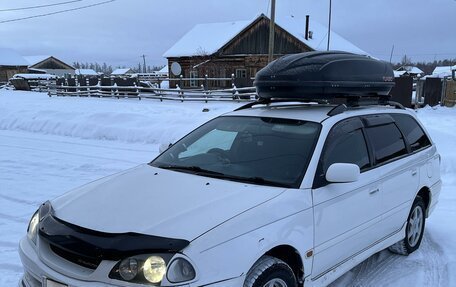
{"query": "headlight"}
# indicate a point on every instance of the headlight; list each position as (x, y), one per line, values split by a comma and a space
(142, 269)
(180, 270)
(32, 229)
(154, 269)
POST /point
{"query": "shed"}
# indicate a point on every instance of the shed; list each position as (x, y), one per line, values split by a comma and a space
(410, 71)
(85, 72)
(122, 72)
(11, 63)
(241, 48)
(49, 65)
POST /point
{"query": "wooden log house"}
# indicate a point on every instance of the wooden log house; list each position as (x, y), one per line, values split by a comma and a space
(220, 50)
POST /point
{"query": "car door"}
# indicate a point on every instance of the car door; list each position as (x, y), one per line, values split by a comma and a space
(346, 215)
(395, 146)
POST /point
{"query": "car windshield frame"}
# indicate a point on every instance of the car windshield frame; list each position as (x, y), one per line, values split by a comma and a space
(170, 159)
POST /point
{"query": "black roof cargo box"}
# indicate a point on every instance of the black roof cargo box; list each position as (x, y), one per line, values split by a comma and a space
(324, 75)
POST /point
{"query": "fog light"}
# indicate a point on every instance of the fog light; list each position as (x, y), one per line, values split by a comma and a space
(154, 269)
(128, 269)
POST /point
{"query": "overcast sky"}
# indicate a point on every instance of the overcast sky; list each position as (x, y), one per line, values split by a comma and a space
(120, 31)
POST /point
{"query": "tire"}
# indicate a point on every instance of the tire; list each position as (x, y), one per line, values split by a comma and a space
(269, 271)
(414, 231)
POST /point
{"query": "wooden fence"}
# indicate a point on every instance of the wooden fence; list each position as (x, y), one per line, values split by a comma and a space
(139, 92)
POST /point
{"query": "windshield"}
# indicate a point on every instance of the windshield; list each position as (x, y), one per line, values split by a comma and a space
(259, 150)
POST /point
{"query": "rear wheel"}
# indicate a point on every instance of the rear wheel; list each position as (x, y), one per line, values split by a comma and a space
(269, 271)
(414, 230)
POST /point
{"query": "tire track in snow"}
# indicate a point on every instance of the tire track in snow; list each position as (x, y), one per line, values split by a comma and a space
(19, 200)
(425, 267)
(67, 153)
(13, 218)
(104, 147)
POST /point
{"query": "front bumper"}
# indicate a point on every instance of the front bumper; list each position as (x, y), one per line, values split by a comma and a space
(35, 270)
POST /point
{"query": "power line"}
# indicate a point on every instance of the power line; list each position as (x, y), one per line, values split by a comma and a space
(57, 12)
(39, 6)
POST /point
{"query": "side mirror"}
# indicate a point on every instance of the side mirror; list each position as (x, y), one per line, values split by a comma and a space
(342, 172)
(164, 147)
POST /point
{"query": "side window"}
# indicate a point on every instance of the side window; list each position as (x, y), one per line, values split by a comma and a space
(412, 131)
(387, 142)
(346, 147)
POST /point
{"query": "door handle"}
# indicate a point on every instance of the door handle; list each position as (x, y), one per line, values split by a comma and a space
(374, 191)
(414, 172)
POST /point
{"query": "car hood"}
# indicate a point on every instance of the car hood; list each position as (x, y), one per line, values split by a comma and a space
(159, 202)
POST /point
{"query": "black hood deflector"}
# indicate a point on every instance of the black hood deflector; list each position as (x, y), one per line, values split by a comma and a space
(105, 246)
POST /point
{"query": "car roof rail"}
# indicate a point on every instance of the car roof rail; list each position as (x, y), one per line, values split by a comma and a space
(267, 101)
(363, 103)
(351, 102)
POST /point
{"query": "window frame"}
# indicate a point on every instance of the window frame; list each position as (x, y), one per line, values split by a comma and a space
(239, 71)
(409, 147)
(319, 178)
(193, 75)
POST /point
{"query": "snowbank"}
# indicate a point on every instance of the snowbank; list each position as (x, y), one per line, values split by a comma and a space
(146, 121)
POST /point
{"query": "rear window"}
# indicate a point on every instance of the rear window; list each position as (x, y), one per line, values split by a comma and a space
(412, 131)
(387, 141)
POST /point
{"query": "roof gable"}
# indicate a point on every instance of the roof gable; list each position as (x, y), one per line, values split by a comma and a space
(47, 62)
(254, 39)
(207, 39)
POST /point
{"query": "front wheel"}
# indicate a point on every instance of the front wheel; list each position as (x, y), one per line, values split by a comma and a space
(414, 231)
(269, 271)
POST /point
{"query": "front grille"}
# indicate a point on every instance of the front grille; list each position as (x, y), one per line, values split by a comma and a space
(84, 261)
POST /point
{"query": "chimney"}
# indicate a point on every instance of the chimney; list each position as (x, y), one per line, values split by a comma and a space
(306, 35)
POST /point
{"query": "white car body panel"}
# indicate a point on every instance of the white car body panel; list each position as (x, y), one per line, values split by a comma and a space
(232, 224)
(173, 212)
(337, 210)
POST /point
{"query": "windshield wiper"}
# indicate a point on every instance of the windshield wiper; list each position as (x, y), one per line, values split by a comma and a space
(257, 180)
(201, 171)
(192, 169)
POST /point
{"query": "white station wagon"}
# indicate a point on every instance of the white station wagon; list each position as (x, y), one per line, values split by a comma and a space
(277, 195)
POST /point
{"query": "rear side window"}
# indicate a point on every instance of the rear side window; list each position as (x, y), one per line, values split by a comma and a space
(412, 131)
(387, 142)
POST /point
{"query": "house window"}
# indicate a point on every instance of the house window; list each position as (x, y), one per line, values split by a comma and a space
(253, 72)
(193, 83)
(241, 73)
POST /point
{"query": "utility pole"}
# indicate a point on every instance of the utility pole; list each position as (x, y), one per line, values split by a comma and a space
(271, 32)
(391, 56)
(329, 24)
(144, 65)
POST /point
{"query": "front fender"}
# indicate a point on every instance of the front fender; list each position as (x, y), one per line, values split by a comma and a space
(231, 249)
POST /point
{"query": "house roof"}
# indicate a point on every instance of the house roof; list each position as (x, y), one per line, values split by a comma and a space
(10, 57)
(87, 72)
(411, 70)
(164, 70)
(35, 60)
(206, 39)
(443, 71)
(122, 71)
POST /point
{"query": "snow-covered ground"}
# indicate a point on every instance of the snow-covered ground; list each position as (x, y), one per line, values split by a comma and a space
(50, 145)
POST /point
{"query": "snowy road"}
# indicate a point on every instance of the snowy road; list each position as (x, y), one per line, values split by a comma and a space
(34, 169)
(38, 163)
